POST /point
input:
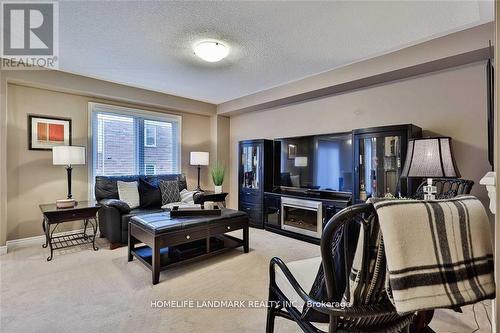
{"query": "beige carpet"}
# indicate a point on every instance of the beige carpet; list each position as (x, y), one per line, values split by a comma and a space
(86, 291)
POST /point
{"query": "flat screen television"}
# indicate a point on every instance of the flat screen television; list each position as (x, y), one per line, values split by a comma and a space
(316, 162)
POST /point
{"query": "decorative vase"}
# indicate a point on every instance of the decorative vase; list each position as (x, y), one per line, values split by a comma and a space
(218, 189)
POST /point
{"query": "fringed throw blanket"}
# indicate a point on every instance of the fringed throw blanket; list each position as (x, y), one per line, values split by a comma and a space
(367, 281)
(439, 253)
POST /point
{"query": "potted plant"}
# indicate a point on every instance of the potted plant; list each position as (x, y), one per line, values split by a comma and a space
(218, 172)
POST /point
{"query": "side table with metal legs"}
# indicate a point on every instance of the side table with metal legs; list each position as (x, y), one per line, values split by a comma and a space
(85, 211)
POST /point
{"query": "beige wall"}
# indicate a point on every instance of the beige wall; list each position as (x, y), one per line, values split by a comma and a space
(220, 145)
(3, 159)
(451, 102)
(449, 45)
(32, 179)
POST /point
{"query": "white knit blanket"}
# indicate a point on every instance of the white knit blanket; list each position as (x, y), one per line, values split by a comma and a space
(439, 253)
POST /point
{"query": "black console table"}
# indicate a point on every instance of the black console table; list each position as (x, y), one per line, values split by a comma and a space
(53, 216)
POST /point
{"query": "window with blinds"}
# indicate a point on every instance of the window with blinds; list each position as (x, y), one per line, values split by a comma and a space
(130, 141)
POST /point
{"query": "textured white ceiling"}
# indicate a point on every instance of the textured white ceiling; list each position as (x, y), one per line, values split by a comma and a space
(149, 44)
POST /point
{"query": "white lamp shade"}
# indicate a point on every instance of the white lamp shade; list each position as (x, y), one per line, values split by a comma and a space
(199, 158)
(300, 161)
(430, 158)
(68, 155)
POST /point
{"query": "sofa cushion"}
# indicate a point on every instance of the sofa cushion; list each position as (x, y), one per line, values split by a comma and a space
(105, 186)
(169, 190)
(129, 193)
(155, 180)
(149, 194)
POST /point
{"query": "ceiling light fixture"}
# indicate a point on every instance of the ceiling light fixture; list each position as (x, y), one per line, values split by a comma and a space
(211, 51)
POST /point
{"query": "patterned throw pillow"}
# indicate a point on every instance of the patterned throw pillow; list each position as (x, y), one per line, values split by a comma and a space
(169, 191)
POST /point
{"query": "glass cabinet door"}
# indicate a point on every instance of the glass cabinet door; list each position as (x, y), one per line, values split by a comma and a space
(379, 166)
(250, 161)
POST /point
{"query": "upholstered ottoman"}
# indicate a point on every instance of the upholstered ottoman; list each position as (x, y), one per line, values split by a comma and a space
(161, 234)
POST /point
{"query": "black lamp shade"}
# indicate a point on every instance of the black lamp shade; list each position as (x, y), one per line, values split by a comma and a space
(430, 158)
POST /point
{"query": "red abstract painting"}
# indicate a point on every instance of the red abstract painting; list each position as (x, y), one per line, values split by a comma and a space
(56, 132)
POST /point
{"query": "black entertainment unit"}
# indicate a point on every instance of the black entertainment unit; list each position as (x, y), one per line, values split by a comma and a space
(274, 208)
(255, 177)
(293, 186)
(316, 162)
(379, 155)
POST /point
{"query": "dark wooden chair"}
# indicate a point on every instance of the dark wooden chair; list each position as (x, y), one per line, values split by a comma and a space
(447, 188)
(372, 315)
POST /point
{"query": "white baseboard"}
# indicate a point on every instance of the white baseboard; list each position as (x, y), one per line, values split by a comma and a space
(29, 241)
(3, 250)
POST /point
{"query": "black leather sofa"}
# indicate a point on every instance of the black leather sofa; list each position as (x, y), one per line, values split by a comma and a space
(115, 214)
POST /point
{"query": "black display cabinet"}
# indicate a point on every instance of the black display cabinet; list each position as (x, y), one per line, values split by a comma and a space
(379, 155)
(255, 177)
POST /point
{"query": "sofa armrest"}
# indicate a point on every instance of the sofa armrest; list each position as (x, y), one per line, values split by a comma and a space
(199, 198)
(120, 205)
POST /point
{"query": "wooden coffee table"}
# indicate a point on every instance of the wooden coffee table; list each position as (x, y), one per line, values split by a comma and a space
(164, 236)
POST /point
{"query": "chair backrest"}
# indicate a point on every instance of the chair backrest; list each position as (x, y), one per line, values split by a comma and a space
(447, 188)
(352, 224)
(370, 308)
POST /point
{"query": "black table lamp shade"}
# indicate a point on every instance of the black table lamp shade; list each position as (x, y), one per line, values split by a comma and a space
(430, 158)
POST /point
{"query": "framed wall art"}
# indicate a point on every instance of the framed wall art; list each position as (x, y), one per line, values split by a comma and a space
(45, 132)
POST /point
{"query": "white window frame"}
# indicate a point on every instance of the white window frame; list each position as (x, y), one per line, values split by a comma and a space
(150, 127)
(150, 165)
(127, 111)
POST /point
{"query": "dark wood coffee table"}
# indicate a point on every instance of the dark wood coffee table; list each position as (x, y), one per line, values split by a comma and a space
(53, 216)
(162, 234)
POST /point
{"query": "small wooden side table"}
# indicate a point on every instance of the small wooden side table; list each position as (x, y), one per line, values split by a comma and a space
(53, 216)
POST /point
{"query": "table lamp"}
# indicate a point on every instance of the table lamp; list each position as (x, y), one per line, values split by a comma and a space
(199, 158)
(300, 161)
(430, 158)
(68, 156)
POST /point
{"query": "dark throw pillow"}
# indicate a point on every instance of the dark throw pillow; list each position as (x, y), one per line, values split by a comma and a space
(149, 194)
(169, 190)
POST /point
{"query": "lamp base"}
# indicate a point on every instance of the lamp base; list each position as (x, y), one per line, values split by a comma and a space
(198, 188)
(430, 190)
(68, 171)
(65, 203)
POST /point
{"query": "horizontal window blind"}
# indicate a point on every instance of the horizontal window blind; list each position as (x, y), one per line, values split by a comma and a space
(130, 142)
